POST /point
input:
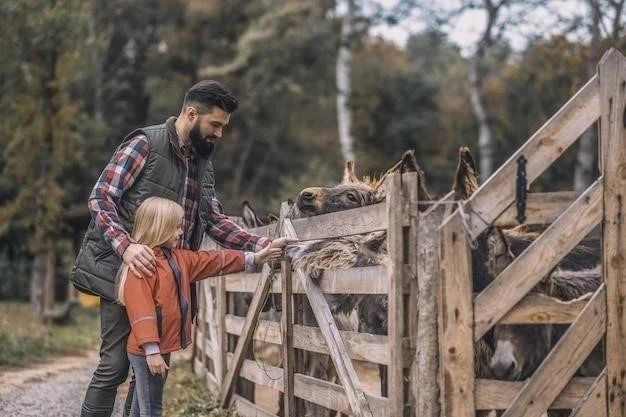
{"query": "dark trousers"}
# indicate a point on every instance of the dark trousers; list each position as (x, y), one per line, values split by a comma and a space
(113, 367)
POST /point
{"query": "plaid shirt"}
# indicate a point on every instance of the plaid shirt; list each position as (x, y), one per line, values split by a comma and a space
(122, 172)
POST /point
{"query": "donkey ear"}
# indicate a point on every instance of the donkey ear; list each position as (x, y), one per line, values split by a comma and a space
(250, 219)
(349, 177)
(408, 163)
(466, 179)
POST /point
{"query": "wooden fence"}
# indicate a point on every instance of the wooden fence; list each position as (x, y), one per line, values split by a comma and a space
(429, 348)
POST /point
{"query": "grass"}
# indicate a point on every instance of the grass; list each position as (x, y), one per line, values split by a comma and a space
(24, 339)
(186, 395)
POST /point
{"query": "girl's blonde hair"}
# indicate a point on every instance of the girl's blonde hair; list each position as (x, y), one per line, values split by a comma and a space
(156, 222)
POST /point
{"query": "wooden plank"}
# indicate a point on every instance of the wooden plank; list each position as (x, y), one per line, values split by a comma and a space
(493, 394)
(564, 360)
(427, 350)
(317, 391)
(349, 222)
(541, 208)
(593, 404)
(410, 183)
(246, 335)
(537, 308)
(220, 342)
(456, 343)
(538, 260)
(345, 370)
(245, 408)
(541, 150)
(360, 346)
(611, 72)
(395, 314)
(288, 350)
(363, 280)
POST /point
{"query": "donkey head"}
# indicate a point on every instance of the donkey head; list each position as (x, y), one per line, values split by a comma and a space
(353, 192)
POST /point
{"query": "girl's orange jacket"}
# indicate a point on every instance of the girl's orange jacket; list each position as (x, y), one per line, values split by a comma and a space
(152, 304)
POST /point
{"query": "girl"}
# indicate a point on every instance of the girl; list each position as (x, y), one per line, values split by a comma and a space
(158, 306)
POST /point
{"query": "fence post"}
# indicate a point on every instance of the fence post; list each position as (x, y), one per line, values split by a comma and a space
(613, 161)
(222, 337)
(410, 185)
(426, 363)
(456, 339)
(395, 247)
(286, 321)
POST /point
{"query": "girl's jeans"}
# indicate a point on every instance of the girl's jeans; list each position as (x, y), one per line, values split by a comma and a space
(148, 397)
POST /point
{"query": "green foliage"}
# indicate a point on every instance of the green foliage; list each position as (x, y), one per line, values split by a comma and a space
(24, 339)
(186, 395)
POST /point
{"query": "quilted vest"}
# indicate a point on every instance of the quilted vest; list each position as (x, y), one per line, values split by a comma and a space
(163, 175)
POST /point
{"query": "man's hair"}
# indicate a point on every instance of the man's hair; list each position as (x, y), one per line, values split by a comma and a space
(209, 93)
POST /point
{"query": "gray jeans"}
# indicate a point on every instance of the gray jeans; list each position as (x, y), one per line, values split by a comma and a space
(148, 399)
(113, 367)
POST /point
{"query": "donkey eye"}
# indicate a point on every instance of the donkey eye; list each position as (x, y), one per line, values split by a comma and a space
(352, 197)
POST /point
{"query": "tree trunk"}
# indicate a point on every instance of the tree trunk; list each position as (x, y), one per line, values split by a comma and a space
(50, 261)
(485, 141)
(343, 80)
(585, 159)
(37, 282)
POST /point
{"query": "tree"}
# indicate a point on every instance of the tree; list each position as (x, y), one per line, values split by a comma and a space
(40, 131)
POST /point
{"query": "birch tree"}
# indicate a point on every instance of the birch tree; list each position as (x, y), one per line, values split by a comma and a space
(344, 83)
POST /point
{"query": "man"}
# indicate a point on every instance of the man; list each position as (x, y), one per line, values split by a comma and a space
(170, 160)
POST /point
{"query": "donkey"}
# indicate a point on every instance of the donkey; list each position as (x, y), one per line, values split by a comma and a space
(520, 349)
(368, 249)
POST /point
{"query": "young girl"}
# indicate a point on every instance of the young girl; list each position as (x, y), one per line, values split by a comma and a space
(158, 306)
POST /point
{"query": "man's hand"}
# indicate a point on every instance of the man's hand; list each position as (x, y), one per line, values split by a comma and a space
(157, 365)
(281, 242)
(140, 259)
(267, 254)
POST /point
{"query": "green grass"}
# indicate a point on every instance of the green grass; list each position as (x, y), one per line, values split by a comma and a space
(24, 339)
(186, 395)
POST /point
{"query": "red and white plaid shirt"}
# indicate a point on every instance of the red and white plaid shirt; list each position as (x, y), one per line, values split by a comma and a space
(121, 173)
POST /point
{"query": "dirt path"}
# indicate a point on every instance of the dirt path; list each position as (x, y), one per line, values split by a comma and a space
(54, 389)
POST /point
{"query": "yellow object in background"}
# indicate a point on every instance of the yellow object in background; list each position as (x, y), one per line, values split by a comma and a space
(88, 301)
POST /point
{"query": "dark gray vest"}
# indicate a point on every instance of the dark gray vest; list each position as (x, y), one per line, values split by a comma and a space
(163, 175)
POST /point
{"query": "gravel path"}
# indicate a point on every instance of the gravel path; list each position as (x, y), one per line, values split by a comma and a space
(54, 389)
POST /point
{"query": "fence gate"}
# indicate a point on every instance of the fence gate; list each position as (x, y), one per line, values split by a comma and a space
(465, 320)
(225, 336)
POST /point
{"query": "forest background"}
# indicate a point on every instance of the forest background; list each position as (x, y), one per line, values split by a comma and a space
(317, 85)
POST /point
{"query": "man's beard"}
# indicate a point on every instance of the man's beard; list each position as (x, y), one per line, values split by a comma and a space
(202, 145)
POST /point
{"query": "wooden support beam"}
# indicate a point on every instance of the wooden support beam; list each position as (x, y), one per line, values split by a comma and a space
(455, 321)
(343, 365)
(246, 336)
(564, 360)
(538, 260)
(593, 404)
(395, 314)
(492, 394)
(541, 208)
(317, 391)
(349, 222)
(541, 150)
(611, 72)
(286, 327)
(538, 308)
(427, 337)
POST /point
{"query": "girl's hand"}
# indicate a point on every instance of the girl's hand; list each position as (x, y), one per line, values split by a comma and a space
(267, 254)
(157, 364)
